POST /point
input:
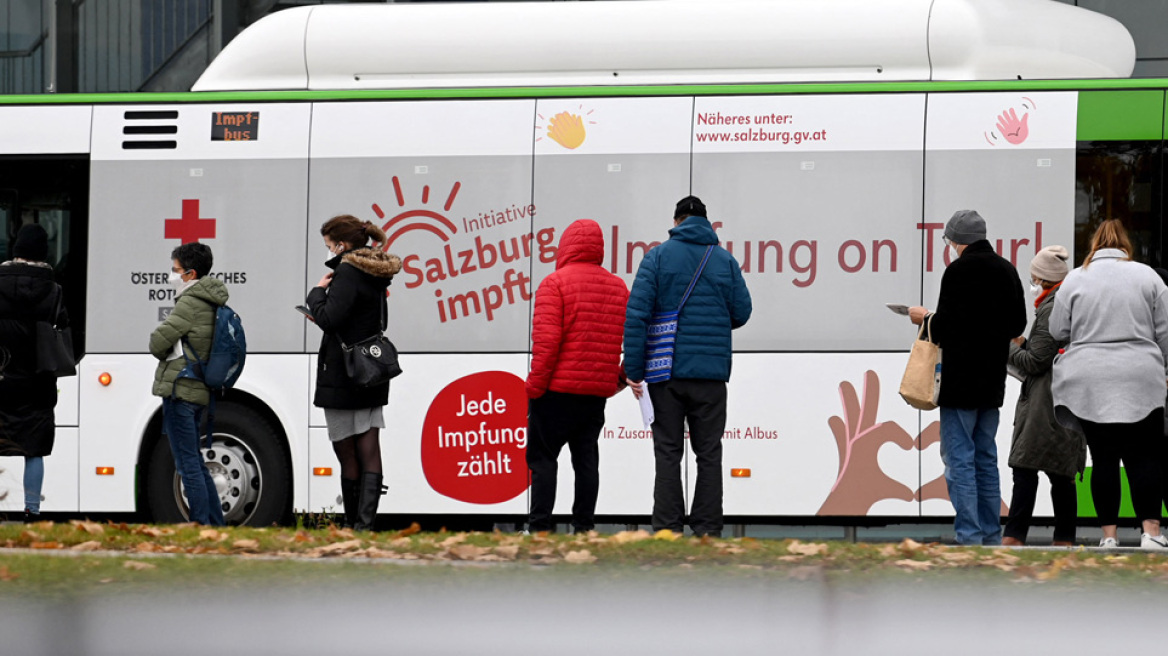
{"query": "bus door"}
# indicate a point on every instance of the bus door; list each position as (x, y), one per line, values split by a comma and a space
(52, 191)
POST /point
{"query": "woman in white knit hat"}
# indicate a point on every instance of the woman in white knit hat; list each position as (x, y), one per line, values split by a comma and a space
(1040, 444)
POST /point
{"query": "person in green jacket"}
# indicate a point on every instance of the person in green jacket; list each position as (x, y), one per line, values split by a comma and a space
(188, 331)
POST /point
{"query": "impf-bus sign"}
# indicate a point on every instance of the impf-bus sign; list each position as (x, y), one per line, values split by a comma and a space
(235, 126)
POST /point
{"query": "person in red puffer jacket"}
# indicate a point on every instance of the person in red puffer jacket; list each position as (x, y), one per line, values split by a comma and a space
(575, 366)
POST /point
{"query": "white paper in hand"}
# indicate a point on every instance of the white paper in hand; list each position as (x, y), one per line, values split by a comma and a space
(646, 408)
(898, 308)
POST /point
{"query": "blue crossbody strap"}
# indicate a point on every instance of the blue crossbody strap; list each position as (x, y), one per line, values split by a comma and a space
(697, 274)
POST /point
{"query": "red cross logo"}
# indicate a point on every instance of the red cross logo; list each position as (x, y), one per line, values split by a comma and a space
(190, 228)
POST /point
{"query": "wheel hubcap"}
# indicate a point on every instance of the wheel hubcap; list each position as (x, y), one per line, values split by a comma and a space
(237, 475)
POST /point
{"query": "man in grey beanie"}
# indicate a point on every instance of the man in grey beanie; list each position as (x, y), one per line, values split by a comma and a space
(981, 307)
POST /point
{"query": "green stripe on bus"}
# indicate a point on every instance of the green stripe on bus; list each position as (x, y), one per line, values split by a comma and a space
(1121, 115)
(561, 92)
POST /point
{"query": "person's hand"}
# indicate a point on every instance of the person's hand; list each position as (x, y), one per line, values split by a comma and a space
(1019, 341)
(326, 280)
(638, 388)
(917, 314)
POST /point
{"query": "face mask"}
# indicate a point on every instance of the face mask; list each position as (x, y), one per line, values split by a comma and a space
(175, 280)
(953, 254)
(1035, 289)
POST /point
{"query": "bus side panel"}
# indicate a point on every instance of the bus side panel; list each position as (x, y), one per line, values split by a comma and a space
(231, 176)
(623, 163)
(819, 203)
(450, 182)
(1011, 157)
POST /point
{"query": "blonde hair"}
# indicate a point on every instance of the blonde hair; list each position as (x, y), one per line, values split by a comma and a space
(1109, 234)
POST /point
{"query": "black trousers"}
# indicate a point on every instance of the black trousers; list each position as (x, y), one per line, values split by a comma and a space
(701, 404)
(1062, 494)
(1138, 445)
(553, 420)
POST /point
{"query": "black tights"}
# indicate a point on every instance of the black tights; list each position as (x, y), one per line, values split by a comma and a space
(359, 454)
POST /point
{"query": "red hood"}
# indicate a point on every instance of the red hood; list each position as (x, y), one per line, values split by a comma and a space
(582, 243)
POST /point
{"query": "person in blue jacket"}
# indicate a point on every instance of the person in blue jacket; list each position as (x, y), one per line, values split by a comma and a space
(696, 389)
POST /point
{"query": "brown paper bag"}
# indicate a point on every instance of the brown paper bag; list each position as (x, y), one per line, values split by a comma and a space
(921, 385)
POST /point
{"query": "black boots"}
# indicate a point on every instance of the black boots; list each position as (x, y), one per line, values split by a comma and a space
(350, 494)
(371, 491)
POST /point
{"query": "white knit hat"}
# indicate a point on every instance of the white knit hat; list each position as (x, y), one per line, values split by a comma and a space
(1050, 264)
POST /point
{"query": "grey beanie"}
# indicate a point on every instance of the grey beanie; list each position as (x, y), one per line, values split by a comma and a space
(1050, 264)
(965, 227)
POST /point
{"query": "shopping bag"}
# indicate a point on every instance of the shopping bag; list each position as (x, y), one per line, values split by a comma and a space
(921, 385)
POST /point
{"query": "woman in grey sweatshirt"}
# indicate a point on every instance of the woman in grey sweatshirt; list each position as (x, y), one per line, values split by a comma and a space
(1110, 379)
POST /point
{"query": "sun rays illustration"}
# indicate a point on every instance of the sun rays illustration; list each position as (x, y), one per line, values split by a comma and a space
(417, 219)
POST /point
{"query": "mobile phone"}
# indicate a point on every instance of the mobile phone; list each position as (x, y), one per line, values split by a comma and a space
(303, 309)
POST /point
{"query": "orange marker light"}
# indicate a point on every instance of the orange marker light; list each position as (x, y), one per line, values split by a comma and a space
(105, 379)
(739, 473)
(105, 471)
(322, 471)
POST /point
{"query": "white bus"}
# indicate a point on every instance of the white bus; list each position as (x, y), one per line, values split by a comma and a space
(830, 141)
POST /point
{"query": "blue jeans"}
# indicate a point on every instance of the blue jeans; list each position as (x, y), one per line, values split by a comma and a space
(970, 455)
(180, 422)
(34, 479)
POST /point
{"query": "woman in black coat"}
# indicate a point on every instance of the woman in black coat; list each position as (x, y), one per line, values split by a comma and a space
(28, 294)
(349, 306)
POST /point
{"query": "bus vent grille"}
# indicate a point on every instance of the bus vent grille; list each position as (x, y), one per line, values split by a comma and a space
(150, 122)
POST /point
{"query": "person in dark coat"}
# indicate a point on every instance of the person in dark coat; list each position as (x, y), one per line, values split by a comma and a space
(981, 307)
(28, 294)
(1040, 442)
(349, 306)
(695, 393)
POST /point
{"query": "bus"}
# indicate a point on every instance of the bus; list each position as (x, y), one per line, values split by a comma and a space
(829, 140)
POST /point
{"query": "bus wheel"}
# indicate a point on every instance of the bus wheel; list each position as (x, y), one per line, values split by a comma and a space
(247, 463)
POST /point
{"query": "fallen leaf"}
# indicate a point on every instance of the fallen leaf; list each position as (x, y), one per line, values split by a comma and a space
(889, 550)
(913, 564)
(630, 536)
(249, 545)
(909, 546)
(400, 543)
(93, 528)
(147, 547)
(457, 538)
(665, 534)
(809, 549)
(467, 551)
(149, 531)
(46, 545)
(209, 534)
(341, 532)
(336, 548)
(413, 528)
(6, 575)
(582, 557)
(957, 556)
(92, 545)
(509, 552)
(541, 551)
(138, 565)
(30, 535)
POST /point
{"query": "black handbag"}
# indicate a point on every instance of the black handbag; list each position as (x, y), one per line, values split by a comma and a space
(371, 361)
(54, 346)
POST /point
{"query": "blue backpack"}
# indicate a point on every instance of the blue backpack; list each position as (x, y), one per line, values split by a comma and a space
(223, 365)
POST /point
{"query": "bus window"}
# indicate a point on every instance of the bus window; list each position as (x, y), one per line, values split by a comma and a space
(54, 192)
(1120, 180)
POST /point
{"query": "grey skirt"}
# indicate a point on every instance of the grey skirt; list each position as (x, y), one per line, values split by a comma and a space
(347, 423)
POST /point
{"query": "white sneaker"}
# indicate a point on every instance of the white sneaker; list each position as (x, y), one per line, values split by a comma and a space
(1153, 542)
(1109, 543)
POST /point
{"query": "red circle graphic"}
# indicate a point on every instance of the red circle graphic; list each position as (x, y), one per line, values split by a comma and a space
(474, 440)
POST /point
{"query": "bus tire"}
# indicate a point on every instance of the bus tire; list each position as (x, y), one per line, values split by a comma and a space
(247, 461)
